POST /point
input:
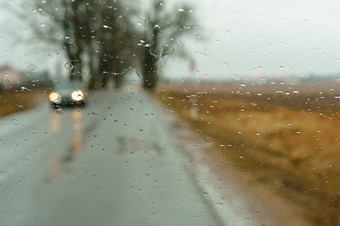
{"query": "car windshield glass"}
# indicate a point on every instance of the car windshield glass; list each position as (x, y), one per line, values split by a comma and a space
(169, 112)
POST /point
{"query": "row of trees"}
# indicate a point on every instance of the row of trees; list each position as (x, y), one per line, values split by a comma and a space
(111, 37)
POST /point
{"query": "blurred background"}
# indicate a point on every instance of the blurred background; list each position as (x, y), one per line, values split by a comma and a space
(260, 80)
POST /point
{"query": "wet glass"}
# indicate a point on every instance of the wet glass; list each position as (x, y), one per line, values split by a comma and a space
(156, 112)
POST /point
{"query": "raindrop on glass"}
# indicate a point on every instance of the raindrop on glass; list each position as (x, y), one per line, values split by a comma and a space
(107, 27)
(68, 66)
(33, 68)
(236, 77)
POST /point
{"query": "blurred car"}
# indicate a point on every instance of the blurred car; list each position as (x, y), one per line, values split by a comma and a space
(68, 94)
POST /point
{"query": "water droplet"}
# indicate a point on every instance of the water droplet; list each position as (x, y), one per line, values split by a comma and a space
(236, 77)
(24, 88)
(107, 27)
(8, 84)
(181, 10)
(279, 95)
(208, 139)
(15, 121)
(294, 94)
(241, 90)
(33, 68)
(69, 66)
(263, 81)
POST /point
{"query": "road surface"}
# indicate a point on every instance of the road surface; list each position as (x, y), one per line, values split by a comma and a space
(112, 163)
(120, 161)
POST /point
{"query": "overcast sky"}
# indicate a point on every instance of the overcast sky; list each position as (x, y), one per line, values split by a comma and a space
(243, 37)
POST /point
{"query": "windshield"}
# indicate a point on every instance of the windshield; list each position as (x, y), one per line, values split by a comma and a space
(180, 112)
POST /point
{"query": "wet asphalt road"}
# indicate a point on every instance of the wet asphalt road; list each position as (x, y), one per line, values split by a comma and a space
(114, 162)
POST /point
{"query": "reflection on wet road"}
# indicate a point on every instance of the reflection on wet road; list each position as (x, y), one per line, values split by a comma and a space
(112, 163)
(54, 122)
(74, 148)
(77, 138)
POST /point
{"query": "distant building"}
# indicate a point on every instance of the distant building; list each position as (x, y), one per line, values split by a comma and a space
(10, 78)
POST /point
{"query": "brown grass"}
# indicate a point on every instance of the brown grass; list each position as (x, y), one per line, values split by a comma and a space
(12, 102)
(288, 142)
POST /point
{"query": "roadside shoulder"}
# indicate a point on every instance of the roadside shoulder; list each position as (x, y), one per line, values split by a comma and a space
(238, 198)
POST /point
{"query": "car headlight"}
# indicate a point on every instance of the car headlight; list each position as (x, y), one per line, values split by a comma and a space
(55, 97)
(77, 95)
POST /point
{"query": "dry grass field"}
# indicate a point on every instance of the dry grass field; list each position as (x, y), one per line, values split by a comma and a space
(11, 102)
(286, 137)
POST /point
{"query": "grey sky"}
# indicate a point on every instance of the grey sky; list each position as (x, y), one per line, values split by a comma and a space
(268, 37)
(244, 37)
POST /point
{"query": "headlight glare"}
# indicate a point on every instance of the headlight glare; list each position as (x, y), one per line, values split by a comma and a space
(77, 95)
(55, 97)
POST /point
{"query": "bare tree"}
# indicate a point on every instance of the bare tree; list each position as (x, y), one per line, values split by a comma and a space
(102, 33)
(116, 43)
(64, 20)
(99, 31)
(163, 27)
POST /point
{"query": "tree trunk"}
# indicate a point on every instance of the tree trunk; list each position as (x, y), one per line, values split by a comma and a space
(72, 50)
(104, 70)
(76, 72)
(149, 71)
(118, 81)
(93, 73)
